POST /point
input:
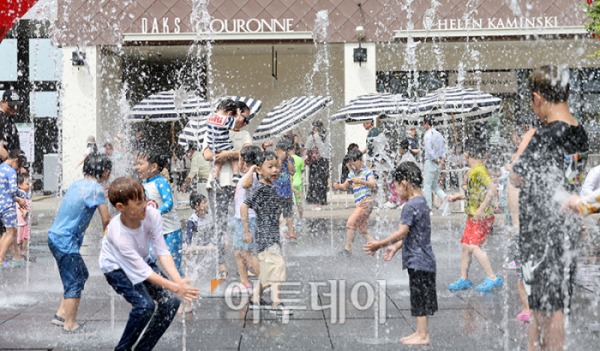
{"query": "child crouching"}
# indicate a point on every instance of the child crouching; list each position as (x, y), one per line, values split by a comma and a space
(129, 268)
(414, 237)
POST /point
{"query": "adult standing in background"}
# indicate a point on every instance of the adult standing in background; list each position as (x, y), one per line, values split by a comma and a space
(435, 153)
(198, 168)
(220, 199)
(373, 133)
(318, 157)
(9, 136)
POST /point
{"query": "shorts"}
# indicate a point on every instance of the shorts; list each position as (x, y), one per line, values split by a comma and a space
(552, 292)
(9, 217)
(296, 197)
(287, 206)
(477, 231)
(271, 265)
(72, 269)
(423, 295)
(22, 233)
(174, 241)
(238, 234)
(360, 216)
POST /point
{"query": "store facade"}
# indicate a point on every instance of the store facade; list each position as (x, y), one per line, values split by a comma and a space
(273, 50)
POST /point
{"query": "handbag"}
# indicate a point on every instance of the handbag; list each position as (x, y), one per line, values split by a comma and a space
(313, 155)
(529, 269)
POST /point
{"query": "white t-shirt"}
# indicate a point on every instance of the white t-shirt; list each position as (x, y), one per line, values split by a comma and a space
(129, 249)
(242, 193)
(239, 139)
(592, 182)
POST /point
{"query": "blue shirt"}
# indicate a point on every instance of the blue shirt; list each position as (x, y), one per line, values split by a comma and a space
(435, 146)
(159, 196)
(75, 214)
(283, 184)
(8, 187)
(416, 247)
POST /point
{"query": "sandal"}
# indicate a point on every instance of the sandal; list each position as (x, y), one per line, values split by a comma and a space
(258, 305)
(281, 309)
(58, 321)
(81, 330)
(222, 275)
(240, 290)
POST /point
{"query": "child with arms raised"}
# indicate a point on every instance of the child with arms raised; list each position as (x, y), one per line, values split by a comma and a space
(414, 237)
(131, 271)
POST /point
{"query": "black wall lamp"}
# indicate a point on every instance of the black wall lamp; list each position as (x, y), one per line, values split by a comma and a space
(78, 58)
(360, 53)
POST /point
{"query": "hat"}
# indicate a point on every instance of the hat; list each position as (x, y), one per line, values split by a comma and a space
(90, 140)
(12, 98)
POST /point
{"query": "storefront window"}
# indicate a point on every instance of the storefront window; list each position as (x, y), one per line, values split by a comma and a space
(43, 104)
(8, 57)
(44, 60)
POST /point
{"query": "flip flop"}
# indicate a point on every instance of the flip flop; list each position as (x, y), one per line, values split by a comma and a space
(58, 321)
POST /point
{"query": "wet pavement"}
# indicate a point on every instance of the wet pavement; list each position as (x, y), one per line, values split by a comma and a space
(467, 320)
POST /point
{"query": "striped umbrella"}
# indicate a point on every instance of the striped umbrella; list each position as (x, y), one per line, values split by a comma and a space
(370, 106)
(288, 114)
(195, 128)
(169, 106)
(463, 105)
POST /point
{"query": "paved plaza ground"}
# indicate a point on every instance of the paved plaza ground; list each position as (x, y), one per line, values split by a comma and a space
(467, 320)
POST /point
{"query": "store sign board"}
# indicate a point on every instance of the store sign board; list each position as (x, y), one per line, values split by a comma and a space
(489, 82)
(494, 23)
(253, 25)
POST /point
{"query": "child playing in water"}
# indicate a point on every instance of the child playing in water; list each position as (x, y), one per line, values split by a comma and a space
(283, 184)
(158, 192)
(131, 271)
(264, 200)
(217, 134)
(362, 181)
(66, 236)
(480, 191)
(414, 237)
(9, 194)
(23, 214)
(200, 224)
(243, 252)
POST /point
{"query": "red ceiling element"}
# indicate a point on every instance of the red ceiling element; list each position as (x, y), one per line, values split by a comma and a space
(10, 13)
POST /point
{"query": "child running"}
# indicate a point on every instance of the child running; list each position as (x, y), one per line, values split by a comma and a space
(264, 200)
(414, 237)
(480, 191)
(158, 192)
(9, 194)
(66, 236)
(23, 216)
(131, 271)
(283, 184)
(243, 252)
(362, 181)
(200, 224)
(217, 134)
